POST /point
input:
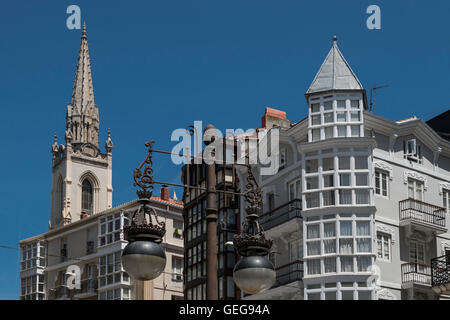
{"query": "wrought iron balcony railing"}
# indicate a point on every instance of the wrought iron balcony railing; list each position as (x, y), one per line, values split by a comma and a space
(281, 214)
(440, 272)
(416, 273)
(293, 271)
(422, 212)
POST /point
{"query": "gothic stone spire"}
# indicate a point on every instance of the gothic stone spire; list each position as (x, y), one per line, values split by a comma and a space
(82, 121)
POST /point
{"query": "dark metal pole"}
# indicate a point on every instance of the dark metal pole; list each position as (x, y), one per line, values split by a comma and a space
(211, 232)
(211, 229)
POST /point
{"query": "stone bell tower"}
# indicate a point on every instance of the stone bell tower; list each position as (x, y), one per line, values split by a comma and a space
(81, 173)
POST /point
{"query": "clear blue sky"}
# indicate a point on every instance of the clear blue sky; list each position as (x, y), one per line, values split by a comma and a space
(160, 65)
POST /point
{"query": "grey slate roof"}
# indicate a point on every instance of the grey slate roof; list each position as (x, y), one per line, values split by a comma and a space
(335, 73)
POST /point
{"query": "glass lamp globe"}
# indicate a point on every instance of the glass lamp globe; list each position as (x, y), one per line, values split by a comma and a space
(143, 260)
(254, 274)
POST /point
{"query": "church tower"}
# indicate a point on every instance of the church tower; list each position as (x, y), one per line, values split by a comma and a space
(81, 173)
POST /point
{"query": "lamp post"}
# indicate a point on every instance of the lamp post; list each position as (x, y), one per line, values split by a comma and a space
(211, 224)
(253, 273)
(143, 258)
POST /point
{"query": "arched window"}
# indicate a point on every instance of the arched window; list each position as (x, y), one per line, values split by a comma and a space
(86, 197)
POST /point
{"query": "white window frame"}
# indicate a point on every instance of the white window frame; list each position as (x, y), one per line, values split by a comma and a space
(379, 176)
(415, 183)
(384, 236)
(446, 199)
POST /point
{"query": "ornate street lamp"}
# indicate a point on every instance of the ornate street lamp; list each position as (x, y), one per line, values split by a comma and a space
(253, 273)
(143, 258)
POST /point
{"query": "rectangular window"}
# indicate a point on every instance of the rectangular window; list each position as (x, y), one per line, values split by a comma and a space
(329, 246)
(362, 196)
(312, 200)
(313, 266)
(381, 183)
(313, 248)
(177, 269)
(346, 246)
(330, 265)
(328, 198)
(312, 183)
(416, 251)
(312, 166)
(315, 134)
(363, 245)
(313, 231)
(362, 179)
(346, 228)
(341, 116)
(361, 163)
(341, 104)
(328, 132)
(355, 131)
(345, 197)
(363, 263)
(355, 116)
(328, 117)
(415, 189)
(354, 104)
(342, 131)
(344, 179)
(346, 264)
(327, 105)
(315, 107)
(328, 180)
(327, 164)
(383, 247)
(315, 120)
(344, 163)
(446, 199)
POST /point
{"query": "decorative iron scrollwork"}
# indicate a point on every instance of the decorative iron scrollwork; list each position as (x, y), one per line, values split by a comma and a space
(252, 240)
(143, 175)
(140, 227)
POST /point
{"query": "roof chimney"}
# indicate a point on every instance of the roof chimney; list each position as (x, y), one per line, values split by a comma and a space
(273, 117)
(165, 192)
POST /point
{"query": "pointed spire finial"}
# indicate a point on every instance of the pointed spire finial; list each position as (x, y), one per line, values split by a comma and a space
(334, 39)
(55, 138)
(84, 34)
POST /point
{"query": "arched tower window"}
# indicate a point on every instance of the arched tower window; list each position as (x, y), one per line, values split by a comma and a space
(86, 197)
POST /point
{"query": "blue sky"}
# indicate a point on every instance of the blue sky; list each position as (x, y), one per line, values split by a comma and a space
(160, 65)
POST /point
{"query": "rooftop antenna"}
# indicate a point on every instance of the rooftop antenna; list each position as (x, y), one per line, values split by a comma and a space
(372, 90)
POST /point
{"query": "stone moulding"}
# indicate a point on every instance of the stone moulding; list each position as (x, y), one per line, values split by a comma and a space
(415, 176)
(384, 166)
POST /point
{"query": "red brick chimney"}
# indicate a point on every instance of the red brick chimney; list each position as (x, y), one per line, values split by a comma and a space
(165, 193)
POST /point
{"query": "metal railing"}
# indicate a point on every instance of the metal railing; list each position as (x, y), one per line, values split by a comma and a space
(281, 214)
(422, 211)
(293, 271)
(440, 270)
(415, 272)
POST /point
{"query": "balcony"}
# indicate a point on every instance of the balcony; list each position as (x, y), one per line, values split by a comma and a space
(422, 215)
(440, 275)
(291, 272)
(284, 213)
(414, 273)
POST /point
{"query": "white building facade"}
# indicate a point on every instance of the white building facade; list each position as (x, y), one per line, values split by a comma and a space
(360, 204)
